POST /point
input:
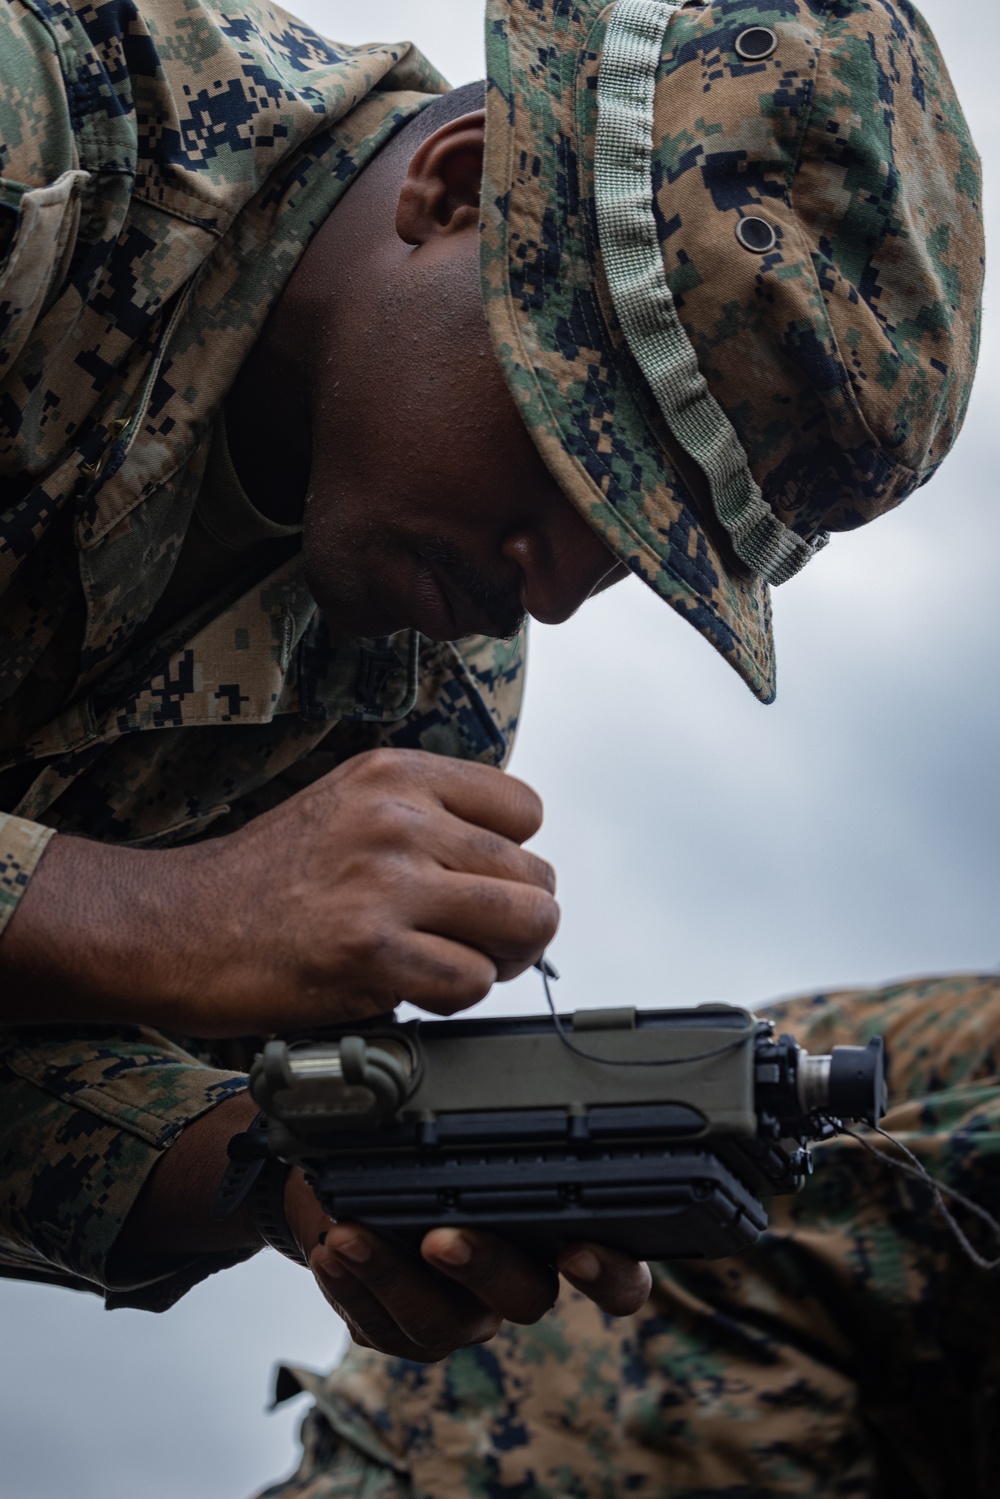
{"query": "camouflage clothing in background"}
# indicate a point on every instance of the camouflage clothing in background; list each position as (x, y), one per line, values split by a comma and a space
(854, 1351)
(162, 169)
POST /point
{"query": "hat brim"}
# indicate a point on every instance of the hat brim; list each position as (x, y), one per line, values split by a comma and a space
(580, 393)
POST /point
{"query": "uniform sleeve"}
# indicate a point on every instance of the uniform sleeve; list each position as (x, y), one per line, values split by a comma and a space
(22, 844)
(84, 1117)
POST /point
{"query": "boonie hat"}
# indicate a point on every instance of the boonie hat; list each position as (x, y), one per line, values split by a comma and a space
(732, 265)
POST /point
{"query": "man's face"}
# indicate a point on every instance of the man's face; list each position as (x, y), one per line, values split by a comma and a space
(428, 503)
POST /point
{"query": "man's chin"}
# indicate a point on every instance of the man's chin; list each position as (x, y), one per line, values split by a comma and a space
(358, 623)
(362, 622)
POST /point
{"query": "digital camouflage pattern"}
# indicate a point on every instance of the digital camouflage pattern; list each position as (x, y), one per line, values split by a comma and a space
(843, 357)
(161, 172)
(852, 1352)
(162, 169)
(21, 846)
(84, 1116)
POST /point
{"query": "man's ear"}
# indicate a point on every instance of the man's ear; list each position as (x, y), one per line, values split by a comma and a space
(441, 192)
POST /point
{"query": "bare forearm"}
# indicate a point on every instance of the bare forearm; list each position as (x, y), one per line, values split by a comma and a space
(398, 875)
(96, 938)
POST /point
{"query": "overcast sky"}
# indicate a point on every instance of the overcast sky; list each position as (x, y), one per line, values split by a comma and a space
(707, 848)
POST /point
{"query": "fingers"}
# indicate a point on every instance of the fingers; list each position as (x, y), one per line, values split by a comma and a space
(443, 976)
(409, 882)
(370, 1325)
(615, 1283)
(462, 848)
(475, 793)
(394, 1300)
(490, 798)
(516, 1287)
(507, 921)
(494, 931)
(469, 1284)
(399, 820)
(466, 934)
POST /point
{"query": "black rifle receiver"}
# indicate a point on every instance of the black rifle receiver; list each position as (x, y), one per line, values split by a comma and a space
(657, 1132)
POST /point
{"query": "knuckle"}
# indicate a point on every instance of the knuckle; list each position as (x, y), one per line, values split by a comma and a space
(370, 766)
(382, 763)
(480, 987)
(428, 1334)
(533, 1311)
(489, 850)
(367, 1333)
(523, 913)
(526, 803)
(493, 852)
(463, 1334)
(378, 771)
(540, 917)
(540, 872)
(435, 1352)
(391, 822)
(429, 1337)
(379, 1275)
(488, 1330)
(372, 945)
(472, 974)
(466, 991)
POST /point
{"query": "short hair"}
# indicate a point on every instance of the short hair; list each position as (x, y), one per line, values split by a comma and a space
(451, 106)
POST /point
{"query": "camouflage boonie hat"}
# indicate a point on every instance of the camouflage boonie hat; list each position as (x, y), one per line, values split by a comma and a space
(732, 265)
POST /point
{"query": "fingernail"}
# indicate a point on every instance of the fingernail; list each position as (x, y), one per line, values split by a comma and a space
(328, 1264)
(453, 1251)
(582, 1266)
(355, 1250)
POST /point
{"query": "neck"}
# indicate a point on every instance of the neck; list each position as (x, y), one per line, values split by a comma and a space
(268, 432)
(287, 391)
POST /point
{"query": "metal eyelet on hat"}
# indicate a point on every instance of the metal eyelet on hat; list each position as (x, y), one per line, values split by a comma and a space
(756, 235)
(756, 43)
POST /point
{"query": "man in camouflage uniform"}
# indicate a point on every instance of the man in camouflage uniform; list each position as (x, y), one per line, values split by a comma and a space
(775, 340)
(195, 445)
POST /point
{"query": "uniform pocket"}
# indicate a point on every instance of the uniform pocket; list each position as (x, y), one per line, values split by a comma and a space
(40, 228)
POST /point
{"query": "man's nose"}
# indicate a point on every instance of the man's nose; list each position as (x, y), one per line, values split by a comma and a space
(561, 566)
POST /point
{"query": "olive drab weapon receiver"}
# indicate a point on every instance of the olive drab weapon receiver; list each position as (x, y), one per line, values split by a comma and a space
(660, 1133)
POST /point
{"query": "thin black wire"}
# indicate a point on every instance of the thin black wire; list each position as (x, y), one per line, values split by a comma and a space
(918, 1171)
(547, 971)
(912, 1166)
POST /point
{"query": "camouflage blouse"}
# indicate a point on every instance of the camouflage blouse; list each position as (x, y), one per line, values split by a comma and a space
(162, 169)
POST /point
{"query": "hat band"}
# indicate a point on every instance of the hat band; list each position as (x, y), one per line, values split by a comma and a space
(644, 303)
